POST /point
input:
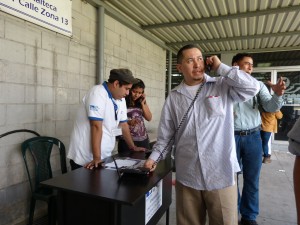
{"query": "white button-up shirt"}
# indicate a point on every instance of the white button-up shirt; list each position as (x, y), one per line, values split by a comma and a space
(205, 147)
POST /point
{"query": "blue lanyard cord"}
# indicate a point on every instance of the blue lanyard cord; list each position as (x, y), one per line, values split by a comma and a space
(111, 98)
(115, 108)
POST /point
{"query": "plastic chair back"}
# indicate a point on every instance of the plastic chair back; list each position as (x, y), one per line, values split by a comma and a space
(40, 148)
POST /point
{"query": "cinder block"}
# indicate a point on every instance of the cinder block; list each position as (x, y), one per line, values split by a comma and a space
(30, 94)
(86, 82)
(20, 114)
(85, 53)
(45, 76)
(112, 37)
(3, 175)
(89, 11)
(12, 93)
(88, 39)
(73, 80)
(55, 43)
(62, 112)
(63, 127)
(74, 49)
(62, 79)
(80, 21)
(12, 51)
(73, 96)
(84, 67)
(76, 5)
(1, 26)
(92, 69)
(61, 96)
(45, 94)
(61, 62)
(2, 114)
(120, 53)
(48, 128)
(15, 73)
(73, 65)
(45, 58)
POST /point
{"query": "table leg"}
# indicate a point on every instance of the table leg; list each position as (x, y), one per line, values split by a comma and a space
(167, 216)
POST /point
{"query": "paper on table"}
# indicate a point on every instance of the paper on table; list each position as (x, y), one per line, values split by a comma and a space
(122, 162)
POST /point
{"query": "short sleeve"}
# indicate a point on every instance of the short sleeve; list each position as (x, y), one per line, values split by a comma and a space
(95, 103)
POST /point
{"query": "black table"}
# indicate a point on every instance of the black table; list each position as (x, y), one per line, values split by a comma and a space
(100, 197)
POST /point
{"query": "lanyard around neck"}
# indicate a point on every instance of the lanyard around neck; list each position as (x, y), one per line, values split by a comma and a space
(112, 99)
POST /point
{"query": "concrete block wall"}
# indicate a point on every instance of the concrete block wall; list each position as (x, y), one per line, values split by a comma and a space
(147, 61)
(43, 77)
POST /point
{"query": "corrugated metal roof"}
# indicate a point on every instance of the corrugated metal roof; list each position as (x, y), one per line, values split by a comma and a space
(217, 26)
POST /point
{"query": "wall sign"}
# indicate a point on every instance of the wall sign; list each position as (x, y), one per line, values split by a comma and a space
(153, 201)
(55, 15)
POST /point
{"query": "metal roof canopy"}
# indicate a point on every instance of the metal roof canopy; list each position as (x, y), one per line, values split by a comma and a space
(216, 26)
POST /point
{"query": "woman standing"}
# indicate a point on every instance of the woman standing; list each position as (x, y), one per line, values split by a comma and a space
(137, 111)
(268, 126)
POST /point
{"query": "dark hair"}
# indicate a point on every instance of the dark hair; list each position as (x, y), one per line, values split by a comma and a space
(180, 52)
(139, 84)
(121, 82)
(238, 57)
(137, 103)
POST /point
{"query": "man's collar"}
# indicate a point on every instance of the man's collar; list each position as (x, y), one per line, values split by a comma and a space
(107, 89)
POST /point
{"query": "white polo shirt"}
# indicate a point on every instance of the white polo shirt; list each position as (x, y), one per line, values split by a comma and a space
(97, 104)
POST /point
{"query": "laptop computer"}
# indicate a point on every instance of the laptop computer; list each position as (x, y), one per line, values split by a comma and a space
(136, 169)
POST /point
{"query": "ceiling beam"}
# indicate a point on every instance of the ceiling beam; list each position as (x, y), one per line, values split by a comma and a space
(248, 37)
(224, 17)
(261, 50)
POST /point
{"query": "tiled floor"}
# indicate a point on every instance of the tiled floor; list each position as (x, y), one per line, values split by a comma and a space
(277, 204)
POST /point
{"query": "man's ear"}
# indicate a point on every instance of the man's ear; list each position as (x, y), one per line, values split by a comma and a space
(116, 83)
(178, 67)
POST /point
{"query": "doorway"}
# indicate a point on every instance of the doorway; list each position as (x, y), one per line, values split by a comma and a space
(291, 106)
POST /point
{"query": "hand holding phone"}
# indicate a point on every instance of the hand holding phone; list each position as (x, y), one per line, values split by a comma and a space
(213, 62)
(142, 99)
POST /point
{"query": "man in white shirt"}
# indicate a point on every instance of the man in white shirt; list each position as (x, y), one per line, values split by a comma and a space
(206, 163)
(101, 117)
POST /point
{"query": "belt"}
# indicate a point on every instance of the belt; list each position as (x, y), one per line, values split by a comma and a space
(247, 132)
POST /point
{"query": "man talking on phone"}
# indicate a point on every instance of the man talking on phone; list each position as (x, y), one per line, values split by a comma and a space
(205, 157)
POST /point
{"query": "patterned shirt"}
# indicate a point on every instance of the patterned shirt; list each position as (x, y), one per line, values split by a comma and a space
(138, 131)
(205, 147)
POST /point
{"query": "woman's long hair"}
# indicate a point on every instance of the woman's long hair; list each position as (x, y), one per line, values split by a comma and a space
(136, 103)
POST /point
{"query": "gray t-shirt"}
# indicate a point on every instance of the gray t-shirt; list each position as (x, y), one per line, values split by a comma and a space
(294, 139)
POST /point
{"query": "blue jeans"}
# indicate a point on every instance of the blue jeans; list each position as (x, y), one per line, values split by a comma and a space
(249, 150)
(265, 137)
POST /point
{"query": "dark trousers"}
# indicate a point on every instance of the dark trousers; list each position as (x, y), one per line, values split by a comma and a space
(249, 151)
(123, 148)
(265, 137)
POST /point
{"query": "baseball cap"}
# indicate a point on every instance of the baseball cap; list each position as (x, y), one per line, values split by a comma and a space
(123, 75)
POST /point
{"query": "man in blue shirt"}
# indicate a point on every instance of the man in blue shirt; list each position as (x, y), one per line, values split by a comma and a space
(247, 123)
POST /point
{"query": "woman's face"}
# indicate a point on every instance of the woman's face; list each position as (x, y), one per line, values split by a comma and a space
(136, 93)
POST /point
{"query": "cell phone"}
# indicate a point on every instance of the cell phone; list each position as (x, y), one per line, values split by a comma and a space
(140, 99)
(207, 66)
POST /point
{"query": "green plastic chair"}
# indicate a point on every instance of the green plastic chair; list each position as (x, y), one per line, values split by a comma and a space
(40, 149)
